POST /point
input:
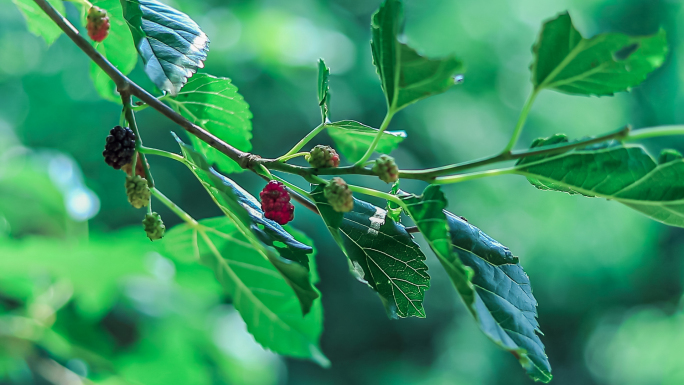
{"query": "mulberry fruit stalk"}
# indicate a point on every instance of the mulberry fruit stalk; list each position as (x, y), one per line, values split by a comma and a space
(323, 157)
(120, 147)
(275, 202)
(154, 226)
(139, 169)
(338, 195)
(97, 23)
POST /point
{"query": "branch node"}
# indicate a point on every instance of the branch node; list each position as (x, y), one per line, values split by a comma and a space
(248, 161)
(624, 133)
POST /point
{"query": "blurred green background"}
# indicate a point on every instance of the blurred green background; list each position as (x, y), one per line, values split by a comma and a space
(608, 280)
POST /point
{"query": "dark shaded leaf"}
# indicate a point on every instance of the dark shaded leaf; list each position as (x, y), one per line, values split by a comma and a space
(488, 277)
(427, 211)
(265, 235)
(381, 253)
(504, 306)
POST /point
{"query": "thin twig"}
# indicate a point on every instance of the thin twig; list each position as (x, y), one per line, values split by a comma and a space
(125, 85)
(130, 117)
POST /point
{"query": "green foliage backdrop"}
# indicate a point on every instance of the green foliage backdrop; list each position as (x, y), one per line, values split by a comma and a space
(84, 293)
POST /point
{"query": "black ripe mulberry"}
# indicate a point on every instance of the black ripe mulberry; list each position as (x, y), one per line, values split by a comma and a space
(120, 147)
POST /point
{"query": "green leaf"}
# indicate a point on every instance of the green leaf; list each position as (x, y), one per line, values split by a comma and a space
(427, 211)
(381, 253)
(626, 174)
(488, 278)
(353, 139)
(38, 22)
(266, 236)
(215, 105)
(605, 64)
(171, 45)
(118, 48)
(406, 76)
(324, 90)
(504, 306)
(259, 292)
(393, 209)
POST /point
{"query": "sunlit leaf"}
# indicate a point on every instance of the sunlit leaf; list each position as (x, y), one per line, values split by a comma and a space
(353, 139)
(215, 105)
(118, 48)
(257, 288)
(38, 22)
(406, 76)
(324, 90)
(626, 174)
(381, 253)
(171, 45)
(605, 64)
(94, 268)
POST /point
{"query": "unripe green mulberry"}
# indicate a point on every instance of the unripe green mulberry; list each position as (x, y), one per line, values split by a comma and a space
(137, 191)
(154, 227)
(323, 157)
(338, 195)
(386, 169)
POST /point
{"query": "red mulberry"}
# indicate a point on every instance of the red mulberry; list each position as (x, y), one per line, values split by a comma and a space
(275, 201)
(98, 23)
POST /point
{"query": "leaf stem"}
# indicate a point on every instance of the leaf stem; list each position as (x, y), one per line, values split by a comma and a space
(376, 140)
(166, 154)
(521, 121)
(142, 106)
(285, 158)
(378, 194)
(174, 207)
(130, 117)
(294, 188)
(652, 132)
(304, 141)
